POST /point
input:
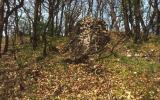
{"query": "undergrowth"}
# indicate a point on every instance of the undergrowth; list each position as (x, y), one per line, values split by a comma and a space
(133, 77)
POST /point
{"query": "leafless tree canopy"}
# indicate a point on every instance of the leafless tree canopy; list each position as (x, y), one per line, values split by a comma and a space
(39, 18)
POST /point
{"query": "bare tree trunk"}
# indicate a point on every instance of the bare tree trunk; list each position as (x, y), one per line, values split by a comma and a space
(90, 5)
(98, 8)
(8, 13)
(45, 38)
(17, 31)
(60, 25)
(30, 20)
(51, 15)
(113, 15)
(36, 16)
(71, 16)
(52, 25)
(158, 23)
(131, 20)
(1, 22)
(126, 19)
(6, 37)
(57, 24)
(158, 18)
(30, 31)
(137, 38)
(150, 23)
(16, 22)
(66, 24)
(102, 9)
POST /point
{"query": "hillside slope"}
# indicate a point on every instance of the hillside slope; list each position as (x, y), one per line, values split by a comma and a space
(130, 72)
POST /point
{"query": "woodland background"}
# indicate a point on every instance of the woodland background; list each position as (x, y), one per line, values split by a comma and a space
(33, 31)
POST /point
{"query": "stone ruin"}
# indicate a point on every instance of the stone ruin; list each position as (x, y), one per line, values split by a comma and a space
(89, 37)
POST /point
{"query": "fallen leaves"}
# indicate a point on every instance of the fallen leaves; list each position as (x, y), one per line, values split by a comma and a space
(115, 77)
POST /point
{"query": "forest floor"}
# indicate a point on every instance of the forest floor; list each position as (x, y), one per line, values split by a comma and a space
(131, 72)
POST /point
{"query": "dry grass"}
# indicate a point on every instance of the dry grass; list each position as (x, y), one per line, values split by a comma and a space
(119, 76)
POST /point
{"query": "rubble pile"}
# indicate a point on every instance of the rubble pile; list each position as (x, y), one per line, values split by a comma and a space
(90, 37)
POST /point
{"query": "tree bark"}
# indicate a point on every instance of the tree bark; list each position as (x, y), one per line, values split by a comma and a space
(126, 18)
(131, 14)
(113, 16)
(90, 5)
(16, 22)
(137, 38)
(158, 17)
(6, 37)
(51, 15)
(8, 13)
(35, 24)
(158, 23)
(61, 19)
(1, 23)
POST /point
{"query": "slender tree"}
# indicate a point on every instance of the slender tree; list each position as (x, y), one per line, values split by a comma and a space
(35, 24)
(158, 17)
(8, 13)
(113, 15)
(126, 17)
(137, 32)
(1, 22)
(90, 7)
(61, 19)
